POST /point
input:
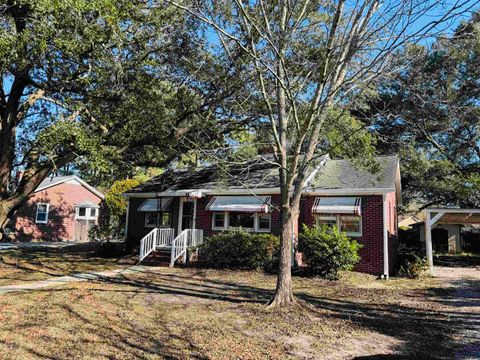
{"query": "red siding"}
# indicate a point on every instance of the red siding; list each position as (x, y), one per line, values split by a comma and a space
(61, 218)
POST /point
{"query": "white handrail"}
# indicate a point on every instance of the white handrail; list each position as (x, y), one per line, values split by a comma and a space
(147, 244)
(187, 238)
(165, 237)
(153, 240)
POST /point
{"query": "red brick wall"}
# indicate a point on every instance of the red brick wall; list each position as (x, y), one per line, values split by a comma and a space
(61, 217)
(372, 229)
(372, 226)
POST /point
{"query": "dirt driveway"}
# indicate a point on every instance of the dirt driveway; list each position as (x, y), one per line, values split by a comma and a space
(462, 297)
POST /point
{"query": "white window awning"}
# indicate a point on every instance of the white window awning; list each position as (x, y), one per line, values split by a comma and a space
(252, 204)
(152, 205)
(337, 205)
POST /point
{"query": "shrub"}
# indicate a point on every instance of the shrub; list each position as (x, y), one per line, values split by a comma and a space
(326, 251)
(411, 265)
(239, 250)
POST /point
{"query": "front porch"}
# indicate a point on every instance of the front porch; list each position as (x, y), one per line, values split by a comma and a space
(160, 246)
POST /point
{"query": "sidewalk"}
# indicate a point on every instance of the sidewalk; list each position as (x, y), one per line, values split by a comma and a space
(62, 280)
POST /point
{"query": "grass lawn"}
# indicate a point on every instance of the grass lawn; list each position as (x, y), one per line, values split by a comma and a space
(31, 264)
(189, 313)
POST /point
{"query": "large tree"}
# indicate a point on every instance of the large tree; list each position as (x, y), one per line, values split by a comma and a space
(429, 113)
(312, 61)
(104, 84)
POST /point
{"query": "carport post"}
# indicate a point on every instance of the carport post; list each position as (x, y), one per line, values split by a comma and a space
(428, 241)
(429, 223)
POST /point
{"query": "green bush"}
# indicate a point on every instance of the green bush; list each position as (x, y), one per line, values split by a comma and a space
(411, 265)
(239, 250)
(326, 251)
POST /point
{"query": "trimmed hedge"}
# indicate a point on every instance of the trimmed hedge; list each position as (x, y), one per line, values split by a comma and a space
(239, 250)
(327, 250)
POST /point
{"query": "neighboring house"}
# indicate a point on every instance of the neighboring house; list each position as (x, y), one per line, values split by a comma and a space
(445, 237)
(362, 204)
(62, 208)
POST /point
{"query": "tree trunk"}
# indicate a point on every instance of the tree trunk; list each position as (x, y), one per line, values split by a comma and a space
(6, 209)
(284, 293)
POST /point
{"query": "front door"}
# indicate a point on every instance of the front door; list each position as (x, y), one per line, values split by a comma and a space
(187, 214)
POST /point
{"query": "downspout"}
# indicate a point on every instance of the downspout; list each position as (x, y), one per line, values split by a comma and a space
(385, 240)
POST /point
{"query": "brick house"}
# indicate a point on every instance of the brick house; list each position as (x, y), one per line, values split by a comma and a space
(362, 204)
(62, 208)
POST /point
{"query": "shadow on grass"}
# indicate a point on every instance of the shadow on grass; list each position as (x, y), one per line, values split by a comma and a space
(422, 332)
(33, 262)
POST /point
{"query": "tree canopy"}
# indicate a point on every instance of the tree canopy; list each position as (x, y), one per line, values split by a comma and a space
(429, 113)
(105, 85)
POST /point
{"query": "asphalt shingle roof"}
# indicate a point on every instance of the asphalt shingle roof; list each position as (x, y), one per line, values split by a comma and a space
(336, 174)
(51, 180)
(343, 174)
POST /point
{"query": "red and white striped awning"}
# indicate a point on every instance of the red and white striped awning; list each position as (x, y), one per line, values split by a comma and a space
(337, 205)
(240, 204)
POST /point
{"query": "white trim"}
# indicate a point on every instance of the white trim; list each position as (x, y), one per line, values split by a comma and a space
(76, 178)
(88, 214)
(46, 213)
(351, 234)
(183, 200)
(256, 222)
(339, 223)
(386, 269)
(263, 191)
(146, 226)
(349, 192)
(216, 228)
(194, 220)
(180, 214)
(457, 211)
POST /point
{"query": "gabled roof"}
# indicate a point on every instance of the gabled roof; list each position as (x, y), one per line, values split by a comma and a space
(343, 174)
(57, 180)
(261, 176)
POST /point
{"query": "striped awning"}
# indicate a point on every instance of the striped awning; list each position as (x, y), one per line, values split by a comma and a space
(152, 205)
(240, 204)
(337, 205)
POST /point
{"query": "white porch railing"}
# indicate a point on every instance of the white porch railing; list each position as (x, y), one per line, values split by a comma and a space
(187, 238)
(155, 239)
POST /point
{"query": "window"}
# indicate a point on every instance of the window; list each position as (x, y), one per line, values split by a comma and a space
(258, 222)
(352, 225)
(42, 213)
(218, 221)
(154, 219)
(86, 213)
(264, 222)
(242, 220)
(330, 221)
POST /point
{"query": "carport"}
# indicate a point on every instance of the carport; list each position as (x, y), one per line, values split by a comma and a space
(438, 216)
